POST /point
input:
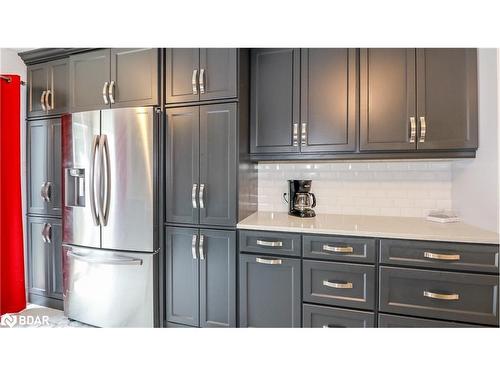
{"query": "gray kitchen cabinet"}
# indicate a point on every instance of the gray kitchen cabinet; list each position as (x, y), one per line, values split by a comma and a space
(396, 321)
(387, 99)
(182, 276)
(328, 99)
(194, 74)
(275, 100)
(200, 277)
(217, 257)
(447, 98)
(339, 248)
(44, 167)
(48, 88)
(270, 293)
(315, 316)
(202, 165)
(113, 78)
(269, 242)
(45, 257)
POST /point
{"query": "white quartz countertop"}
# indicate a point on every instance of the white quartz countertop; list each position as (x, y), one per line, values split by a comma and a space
(369, 226)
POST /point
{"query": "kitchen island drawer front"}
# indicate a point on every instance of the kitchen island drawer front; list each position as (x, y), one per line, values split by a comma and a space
(331, 317)
(270, 243)
(443, 295)
(394, 321)
(339, 284)
(347, 249)
(443, 255)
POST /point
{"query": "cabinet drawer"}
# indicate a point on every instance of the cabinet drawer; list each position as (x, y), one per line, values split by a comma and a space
(339, 284)
(394, 321)
(331, 317)
(276, 243)
(443, 255)
(348, 249)
(442, 295)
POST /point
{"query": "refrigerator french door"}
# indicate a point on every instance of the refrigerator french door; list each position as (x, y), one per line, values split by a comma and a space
(109, 243)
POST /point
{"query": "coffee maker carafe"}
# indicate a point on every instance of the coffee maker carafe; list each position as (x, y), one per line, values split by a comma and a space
(300, 200)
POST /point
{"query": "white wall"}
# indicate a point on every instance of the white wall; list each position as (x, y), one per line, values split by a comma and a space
(475, 182)
(11, 63)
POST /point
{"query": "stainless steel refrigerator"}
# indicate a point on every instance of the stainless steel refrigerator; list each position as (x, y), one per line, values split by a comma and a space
(110, 249)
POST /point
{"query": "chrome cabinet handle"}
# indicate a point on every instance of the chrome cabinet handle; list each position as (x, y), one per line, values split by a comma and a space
(193, 196)
(201, 196)
(200, 247)
(44, 233)
(47, 96)
(105, 92)
(111, 92)
(413, 129)
(47, 233)
(193, 82)
(447, 297)
(423, 129)
(270, 243)
(430, 255)
(93, 170)
(48, 191)
(303, 134)
(193, 246)
(107, 180)
(42, 101)
(295, 134)
(330, 284)
(43, 192)
(121, 261)
(268, 261)
(338, 249)
(202, 81)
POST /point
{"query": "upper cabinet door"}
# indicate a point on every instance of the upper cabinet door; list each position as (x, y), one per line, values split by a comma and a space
(182, 75)
(89, 77)
(134, 77)
(218, 164)
(58, 86)
(218, 73)
(387, 99)
(275, 97)
(328, 99)
(37, 166)
(37, 86)
(182, 164)
(447, 98)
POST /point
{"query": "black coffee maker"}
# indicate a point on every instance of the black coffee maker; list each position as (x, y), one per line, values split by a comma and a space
(300, 200)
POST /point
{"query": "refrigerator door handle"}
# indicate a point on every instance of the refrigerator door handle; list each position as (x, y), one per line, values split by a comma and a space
(121, 261)
(104, 204)
(93, 180)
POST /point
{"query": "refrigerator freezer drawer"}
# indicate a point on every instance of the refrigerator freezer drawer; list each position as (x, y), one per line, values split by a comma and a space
(109, 288)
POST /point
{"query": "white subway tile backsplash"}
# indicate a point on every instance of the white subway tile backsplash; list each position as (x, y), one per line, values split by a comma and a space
(394, 188)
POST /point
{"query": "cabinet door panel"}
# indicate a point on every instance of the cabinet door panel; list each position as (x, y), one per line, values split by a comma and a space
(220, 73)
(37, 257)
(37, 82)
(218, 164)
(54, 167)
(387, 98)
(59, 86)
(135, 73)
(37, 165)
(269, 293)
(182, 277)
(447, 98)
(275, 96)
(54, 266)
(180, 66)
(87, 74)
(328, 99)
(182, 150)
(218, 279)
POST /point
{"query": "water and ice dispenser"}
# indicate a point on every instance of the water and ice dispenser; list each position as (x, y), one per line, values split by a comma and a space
(75, 187)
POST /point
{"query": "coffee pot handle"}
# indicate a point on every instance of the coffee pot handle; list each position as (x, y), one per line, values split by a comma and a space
(314, 200)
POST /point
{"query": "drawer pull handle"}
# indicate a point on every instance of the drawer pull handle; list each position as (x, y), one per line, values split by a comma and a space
(447, 297)
(337, 285)
(268, 261)
(338, 249)
(270, 243)
(430, 255)
(333, 326)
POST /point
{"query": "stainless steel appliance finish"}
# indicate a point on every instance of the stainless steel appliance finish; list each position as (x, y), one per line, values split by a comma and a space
(108, 217)
(109, 288)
